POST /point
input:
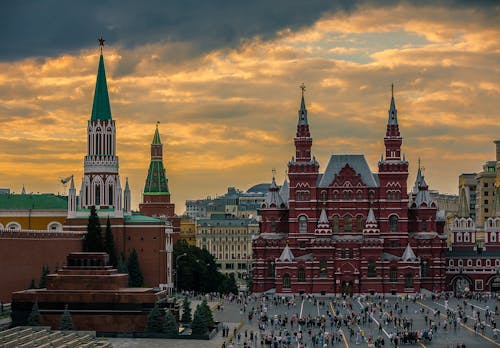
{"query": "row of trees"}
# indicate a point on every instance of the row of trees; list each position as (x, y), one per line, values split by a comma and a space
(93, 239)
(202, 321)
(65, 323)
(94, 242)
(197, 271)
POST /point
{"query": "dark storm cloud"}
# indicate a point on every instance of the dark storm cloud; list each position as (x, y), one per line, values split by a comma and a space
(48, 28)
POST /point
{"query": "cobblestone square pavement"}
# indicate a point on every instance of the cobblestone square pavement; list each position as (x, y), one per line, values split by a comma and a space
(356, 322)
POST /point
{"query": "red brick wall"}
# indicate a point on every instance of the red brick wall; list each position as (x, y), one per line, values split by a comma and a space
(22, 255)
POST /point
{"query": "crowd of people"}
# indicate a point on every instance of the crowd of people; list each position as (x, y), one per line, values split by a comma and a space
(278, 321)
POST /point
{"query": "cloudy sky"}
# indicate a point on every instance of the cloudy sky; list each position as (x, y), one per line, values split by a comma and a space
(223, 79)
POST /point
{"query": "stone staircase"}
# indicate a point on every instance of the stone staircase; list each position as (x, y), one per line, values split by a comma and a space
(44, 337)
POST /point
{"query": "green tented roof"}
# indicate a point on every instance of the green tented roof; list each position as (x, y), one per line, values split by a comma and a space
(41, 201)
(101, 109)
(157, 181)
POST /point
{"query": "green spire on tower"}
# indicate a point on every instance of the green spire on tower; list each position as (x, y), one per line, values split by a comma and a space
(101, 109)
(156, 138)
(156, 181)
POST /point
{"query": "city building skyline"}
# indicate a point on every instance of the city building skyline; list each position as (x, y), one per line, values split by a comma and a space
(225, 101)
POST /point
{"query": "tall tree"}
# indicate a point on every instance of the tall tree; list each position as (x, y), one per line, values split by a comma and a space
(66, 321)
(32, 284)
(135, 277)
(109, 244)
(122, 264)
(43, 277)
(199, 326)
(186, 311)
(93, 238)
(155, 320)
(170, 326)
(34, 317)
(207, 312)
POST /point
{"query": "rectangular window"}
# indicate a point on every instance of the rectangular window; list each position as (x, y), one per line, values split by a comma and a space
(479, 284)
(393, 275)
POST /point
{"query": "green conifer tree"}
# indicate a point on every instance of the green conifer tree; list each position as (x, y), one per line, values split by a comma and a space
(199, 326)
(155, 320)
(43, 277)
(93, 238)
(170, 326)
(207, 312)
(32, 284)
(66, 321)
(34, 317)
(135, 277)
(186, 311)
(122, 264)
(109, 244)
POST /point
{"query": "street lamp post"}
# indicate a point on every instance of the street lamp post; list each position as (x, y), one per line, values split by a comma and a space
(177, 270)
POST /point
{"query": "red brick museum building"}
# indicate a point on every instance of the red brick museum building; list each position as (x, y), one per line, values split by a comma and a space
(349, 230)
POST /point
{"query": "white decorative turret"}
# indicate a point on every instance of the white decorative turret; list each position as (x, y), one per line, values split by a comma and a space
(286, 255)
(169, 248)
(71, 198)
(127, 199)
(408, 254)
(371, 227)
(323, 228)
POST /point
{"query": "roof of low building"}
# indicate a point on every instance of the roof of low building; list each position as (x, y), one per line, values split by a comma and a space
(259, 188)
(140, 218)
(39, 201)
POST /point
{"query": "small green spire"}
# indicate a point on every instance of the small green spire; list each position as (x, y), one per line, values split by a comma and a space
(156, 137)
(100, 108)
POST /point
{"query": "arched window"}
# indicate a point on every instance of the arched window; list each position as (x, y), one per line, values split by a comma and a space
(359, 195)
(286, 281)
(273, 225)
(302, 224)
(110, 194)
(393, 275)
(301, 275)
(13, 226)
(347, 223)
(424, 225)
(335, 194)
(324, 196)
(360, 223)
(372, 272)
(335, 223)
(270, 269)
(54, 226)
(409, 281)
(97, 194)
(371, 196)
(322, 268)
(393, 223)
(425, 268)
